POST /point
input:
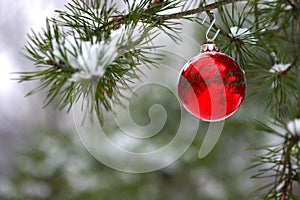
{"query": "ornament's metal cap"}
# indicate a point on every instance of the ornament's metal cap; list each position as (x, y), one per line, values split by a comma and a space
(209, 47)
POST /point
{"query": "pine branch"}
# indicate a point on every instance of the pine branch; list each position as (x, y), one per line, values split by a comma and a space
(78, 47)
(93, 50)
(159, 19)
(279, 162)
(295, 47)
(179, 15)
(281, 81)
(284, 177)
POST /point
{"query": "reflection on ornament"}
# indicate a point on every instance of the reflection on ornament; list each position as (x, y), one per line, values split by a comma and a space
(211, 85)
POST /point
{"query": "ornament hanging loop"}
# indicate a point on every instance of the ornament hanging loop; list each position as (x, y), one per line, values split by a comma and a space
(213, 21)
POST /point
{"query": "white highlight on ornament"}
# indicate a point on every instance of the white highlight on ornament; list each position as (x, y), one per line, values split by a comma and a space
(294, 126)
(279, 67)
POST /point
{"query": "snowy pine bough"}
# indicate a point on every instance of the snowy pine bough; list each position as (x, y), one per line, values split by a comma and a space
(94, 49)
(85, 53)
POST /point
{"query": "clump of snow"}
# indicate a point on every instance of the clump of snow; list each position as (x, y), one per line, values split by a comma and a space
(271, 4)
(94, 59)
(172, 10)
(266, 4)
(125, 35)
(294, 126)
(236, 31)
(243, 33)
(279, 67)
(288, 7)
(63, 49)
(90, 57)
(273, 54)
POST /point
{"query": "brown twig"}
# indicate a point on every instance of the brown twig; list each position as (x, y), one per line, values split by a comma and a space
(284, 173)
(162, 18)
(295, 45)
(61, 66)
(155, 3)
(192, 11)
(291, 142)
(287, 171)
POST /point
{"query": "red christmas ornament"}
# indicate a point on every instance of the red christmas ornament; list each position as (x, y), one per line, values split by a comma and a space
(211, 85)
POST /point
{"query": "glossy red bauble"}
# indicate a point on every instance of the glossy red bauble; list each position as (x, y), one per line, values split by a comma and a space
(211, 85)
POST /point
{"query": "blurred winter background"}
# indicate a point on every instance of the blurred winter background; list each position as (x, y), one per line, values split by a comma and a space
(41, 156)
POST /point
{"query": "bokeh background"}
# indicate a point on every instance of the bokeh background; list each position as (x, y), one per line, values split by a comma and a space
(41, 156)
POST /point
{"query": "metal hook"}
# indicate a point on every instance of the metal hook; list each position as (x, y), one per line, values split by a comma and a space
(210, 27)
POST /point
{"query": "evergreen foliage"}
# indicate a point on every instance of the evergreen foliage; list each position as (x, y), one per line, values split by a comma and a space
(93, 50)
